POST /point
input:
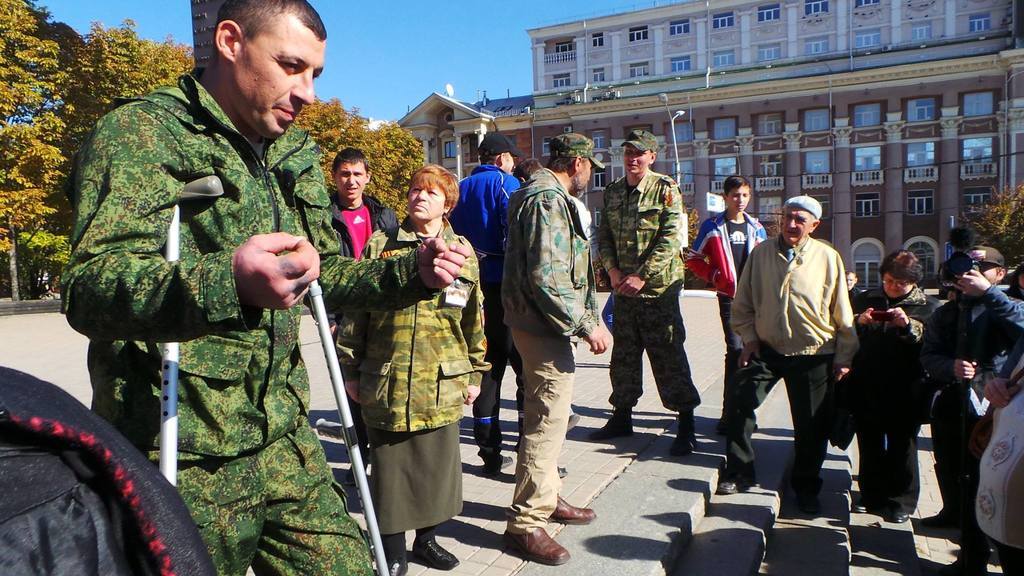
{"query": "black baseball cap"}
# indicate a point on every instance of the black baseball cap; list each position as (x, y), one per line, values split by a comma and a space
(495, 143)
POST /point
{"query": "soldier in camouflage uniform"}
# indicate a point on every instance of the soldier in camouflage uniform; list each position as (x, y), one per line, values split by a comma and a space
(548, 292)
(639, 243)
(412, 370)
(250, 468)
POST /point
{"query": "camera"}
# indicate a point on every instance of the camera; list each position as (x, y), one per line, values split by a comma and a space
(958, 264)
(882, 316)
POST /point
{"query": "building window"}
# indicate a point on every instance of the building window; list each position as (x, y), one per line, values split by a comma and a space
(817, 162)
(638, 34)
(769, 209)
(921, 109)
(826, 205)
(684, 132)
(686, 171)
(768, 13)
(867, 115)
(598, 137)
(561, 81)
(680, 63)
(866, 259)
(449, 149)
(597, 39)
(921, 32)
(769, 124)
(598, 75)
(771, 165)
(975, 198)
(639, 69)
(920, 202)
(561, 47)
(860, 3)
(677, 27)
(723, 20)
(724, 167)
(978, 104)
(816, 46)
(725, 58)
(723, 128)
(867, 38)
(925, 255)
(599, 178)
(921, 154)
(867, 204)
(867, 158)
(977, 150)
(815, 7)
(545, 147)
(769, 52)
(816, 120)
(979, 22)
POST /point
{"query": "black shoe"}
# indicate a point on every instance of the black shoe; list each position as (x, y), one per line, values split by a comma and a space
(562, 472)
(433, 555)
(620, 424)
(495, 464)
(734, 485)
(863, 506)
(685, 440)
(859, 508)
(897, 516)
(943, 519)
(808, 503)
(398, 569)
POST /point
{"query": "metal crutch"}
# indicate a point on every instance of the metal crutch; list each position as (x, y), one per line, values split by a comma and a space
(316, 298)
(205, 187)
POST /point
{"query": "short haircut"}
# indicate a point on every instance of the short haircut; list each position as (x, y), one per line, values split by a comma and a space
(488, 157)
(350, 156)
(902, 265)
(434, 176)
(526, 168)
(561, 164)
(254, 15)
(734, 183)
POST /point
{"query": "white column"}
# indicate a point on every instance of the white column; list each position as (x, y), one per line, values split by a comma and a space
(701, 24)
(581, 65)
(616, 56)
(791, 22)
(538, 67)
(426, 150)
(746, 56)
(896, 21)
(458, 154)
(842, 25)
(659, 50)
(950, 21)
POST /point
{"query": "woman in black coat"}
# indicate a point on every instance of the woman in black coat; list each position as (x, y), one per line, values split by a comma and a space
(885, 387)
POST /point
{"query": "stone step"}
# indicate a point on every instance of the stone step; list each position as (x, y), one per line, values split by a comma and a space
(730, 538)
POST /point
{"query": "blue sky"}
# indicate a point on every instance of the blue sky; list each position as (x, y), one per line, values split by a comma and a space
(384, 56)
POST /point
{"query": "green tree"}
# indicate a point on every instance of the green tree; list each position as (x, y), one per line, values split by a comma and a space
(999, 223)
(394, 153)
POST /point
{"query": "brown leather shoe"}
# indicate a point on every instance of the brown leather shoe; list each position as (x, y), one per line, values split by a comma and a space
(566, 513)
(538, 547)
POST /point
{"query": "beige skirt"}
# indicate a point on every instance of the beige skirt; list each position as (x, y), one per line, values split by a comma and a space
(415, 477)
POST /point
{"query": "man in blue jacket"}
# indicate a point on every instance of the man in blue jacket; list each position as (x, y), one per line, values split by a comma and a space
(482, 217)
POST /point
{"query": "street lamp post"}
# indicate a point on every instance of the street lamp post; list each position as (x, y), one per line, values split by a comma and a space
(672, 126)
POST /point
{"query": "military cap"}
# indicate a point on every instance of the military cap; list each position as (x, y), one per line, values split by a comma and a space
(573, 145)
(641, 140)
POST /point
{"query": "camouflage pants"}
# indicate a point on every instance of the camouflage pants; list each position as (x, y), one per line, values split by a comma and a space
(654, 325)
(278, 510)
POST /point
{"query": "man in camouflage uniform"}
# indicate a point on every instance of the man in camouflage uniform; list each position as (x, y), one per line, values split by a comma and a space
(639, 243)
(548, 291)
(250, 468)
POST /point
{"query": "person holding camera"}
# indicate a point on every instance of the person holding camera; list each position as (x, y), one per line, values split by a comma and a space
(966, 341)
(885, 387)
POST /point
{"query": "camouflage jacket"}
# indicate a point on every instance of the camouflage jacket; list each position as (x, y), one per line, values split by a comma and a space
(639, 232)
(243, 383)
(548, 286)
(415, 364)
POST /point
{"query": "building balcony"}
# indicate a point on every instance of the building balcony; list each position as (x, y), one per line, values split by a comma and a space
(686, 187)
(769, 183)
(917, 174)
(556, 57)
(816, 181)
(867, 177)
(718, 186)
(975, 170)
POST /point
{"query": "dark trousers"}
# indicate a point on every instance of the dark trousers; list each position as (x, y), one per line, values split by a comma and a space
(733, 348)
(888, 474)
(654, 325)
(1011, 559)
(809, 388)
(500, 352)
(949, 439)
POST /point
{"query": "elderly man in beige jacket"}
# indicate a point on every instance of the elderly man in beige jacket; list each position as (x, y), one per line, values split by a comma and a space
(793, 312)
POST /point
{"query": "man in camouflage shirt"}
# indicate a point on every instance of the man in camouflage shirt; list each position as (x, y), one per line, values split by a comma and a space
(250, 468)
(548, 292)
(639, 243)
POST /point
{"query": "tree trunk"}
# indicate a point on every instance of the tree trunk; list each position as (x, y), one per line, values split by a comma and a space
(13, 260)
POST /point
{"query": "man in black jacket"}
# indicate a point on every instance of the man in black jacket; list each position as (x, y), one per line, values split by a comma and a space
(356, 217)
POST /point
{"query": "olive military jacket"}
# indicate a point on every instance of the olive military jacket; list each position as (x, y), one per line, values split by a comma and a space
(414, 365)
(639, 232)
(548, 286)
(243, 383)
